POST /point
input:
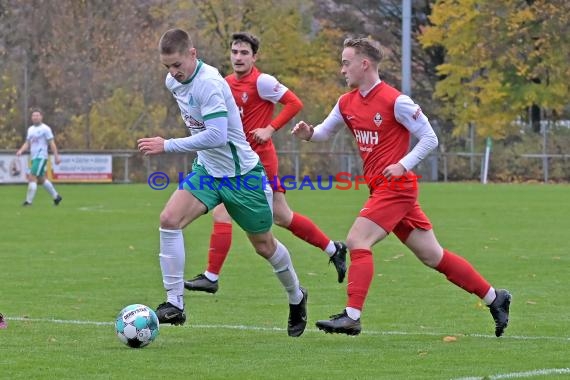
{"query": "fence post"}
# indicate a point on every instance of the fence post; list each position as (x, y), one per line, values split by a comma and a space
(545, 156)
(486, 160)
(126, 169)
(434, 165)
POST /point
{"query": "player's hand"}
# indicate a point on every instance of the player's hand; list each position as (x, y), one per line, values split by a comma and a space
(394, 171)
(151, 145)
(302, 131)
(19, 153)
(262, 135)
(57, 160)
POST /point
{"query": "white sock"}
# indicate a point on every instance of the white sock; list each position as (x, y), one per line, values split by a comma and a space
(283, 268)
(490, 296)
(172, 261)
(211, 276)
(353, 313)
(330, 249)
(32, 187)
(50, 189)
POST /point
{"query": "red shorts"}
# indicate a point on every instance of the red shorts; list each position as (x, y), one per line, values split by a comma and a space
(270, 162)
(396, 210)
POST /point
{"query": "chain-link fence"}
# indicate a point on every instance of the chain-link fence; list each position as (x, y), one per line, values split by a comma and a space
(131, 166)
(302, 159)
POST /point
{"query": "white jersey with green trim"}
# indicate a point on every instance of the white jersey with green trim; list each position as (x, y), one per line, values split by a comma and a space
(38, 137)
(206, 95)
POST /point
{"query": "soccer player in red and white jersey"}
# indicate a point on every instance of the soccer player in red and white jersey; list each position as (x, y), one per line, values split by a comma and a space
(256, 94)
(381, 120)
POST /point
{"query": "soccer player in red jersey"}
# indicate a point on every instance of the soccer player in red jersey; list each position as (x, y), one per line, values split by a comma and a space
(256, 94)
(381, 120)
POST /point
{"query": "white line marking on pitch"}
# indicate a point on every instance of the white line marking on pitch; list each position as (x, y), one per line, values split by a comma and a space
(518, 375)
(260, 328)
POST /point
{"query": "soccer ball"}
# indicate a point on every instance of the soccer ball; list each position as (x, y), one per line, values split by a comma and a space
(136, 325)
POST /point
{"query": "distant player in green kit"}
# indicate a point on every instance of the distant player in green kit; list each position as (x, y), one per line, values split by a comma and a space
(38, 138)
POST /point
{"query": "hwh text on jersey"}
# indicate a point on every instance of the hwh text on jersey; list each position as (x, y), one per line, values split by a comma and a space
(366, 137)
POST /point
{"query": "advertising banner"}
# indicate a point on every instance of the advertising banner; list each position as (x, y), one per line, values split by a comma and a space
(83, 168)
(13, 169)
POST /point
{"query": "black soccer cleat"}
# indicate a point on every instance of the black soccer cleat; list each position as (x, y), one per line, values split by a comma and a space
(340, 324)
(26, 204)
(500, 310)
(168, 313)
(339, 260)
(201, 283)
(57, 200)
(298, 316)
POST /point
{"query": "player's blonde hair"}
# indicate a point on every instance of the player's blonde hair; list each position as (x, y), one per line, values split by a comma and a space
(366, 47)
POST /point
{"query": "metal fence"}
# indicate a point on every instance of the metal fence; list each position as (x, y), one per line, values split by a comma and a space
(130, 166)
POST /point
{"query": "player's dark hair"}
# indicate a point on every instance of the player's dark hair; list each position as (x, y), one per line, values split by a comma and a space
(252, 40)
(174, 41)
(366, 47)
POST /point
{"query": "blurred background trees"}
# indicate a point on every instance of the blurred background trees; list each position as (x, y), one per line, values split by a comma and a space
(504, 60)
(480, 68)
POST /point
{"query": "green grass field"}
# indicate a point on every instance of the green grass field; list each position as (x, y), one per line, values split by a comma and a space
(65, 272)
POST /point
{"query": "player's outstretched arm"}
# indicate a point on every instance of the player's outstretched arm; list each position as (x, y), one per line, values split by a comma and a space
(303, 131)
(151, 145)
(322, 132)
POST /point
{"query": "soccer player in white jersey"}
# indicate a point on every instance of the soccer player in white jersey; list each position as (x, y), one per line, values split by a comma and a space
(226, 171)
(38, 138)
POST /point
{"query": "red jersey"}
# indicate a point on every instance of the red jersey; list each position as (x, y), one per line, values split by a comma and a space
(255, 95)
(381, 139)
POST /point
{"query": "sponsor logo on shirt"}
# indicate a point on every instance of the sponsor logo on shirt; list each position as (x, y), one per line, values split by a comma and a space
(366, 137)
(417, 114)
(192, 124)
(244, 97)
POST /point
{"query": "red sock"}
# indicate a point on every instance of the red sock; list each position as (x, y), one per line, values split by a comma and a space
(305, 229)
(220, 242)
(360, 274)
(461, 273)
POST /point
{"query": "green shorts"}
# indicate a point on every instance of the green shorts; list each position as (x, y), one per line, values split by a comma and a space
(38, 167)
(248, 198)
